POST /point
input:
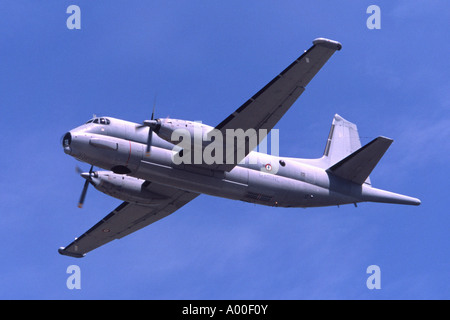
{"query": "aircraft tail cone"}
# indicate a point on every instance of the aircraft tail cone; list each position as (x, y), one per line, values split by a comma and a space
(378, 195)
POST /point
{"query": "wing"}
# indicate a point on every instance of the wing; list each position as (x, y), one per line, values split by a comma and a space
(267, 106)
(128, 218)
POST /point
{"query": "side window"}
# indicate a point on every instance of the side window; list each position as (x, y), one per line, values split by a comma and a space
(102, 121)
(107, 121)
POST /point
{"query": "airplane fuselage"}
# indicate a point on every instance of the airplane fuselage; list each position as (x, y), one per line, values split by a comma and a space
(260, 178)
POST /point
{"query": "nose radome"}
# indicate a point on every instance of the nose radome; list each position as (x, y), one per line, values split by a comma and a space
(66, 141)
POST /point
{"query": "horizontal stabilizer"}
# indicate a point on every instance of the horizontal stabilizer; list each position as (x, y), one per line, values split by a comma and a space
(357, 166)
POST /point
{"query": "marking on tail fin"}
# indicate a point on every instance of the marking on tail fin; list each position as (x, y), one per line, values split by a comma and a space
(330, 137)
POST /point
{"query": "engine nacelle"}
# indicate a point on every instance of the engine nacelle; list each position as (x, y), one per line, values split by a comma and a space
(125, 188)
(166, 129)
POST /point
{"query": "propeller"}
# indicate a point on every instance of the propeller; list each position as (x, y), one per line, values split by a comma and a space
(88, 177)
(152, 125)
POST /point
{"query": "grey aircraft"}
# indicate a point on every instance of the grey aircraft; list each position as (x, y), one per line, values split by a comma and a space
(144, 168)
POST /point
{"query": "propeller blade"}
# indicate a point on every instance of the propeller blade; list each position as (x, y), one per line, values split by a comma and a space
(154, 105)
(150, 124)
(88, 178)
(83, 194)
(149, 141)
(147, 123)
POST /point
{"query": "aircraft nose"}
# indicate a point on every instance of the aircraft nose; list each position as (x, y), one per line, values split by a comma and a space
(66, 141)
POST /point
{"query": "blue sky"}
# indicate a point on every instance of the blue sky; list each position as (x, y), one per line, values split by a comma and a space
(203, 59)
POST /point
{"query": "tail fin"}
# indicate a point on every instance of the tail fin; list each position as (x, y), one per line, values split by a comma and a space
(343, 155)
(357, 166)
(342, 140)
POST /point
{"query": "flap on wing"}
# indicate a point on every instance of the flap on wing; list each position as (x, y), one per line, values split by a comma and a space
(358, 165)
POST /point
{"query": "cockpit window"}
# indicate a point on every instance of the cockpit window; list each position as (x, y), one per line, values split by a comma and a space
(99, 121)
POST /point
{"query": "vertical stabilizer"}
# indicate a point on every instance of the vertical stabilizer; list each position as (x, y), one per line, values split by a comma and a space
(342, 141)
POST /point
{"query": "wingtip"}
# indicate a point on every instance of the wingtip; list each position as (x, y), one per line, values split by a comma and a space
(332, 44)
(63, 252)
(386, 139)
